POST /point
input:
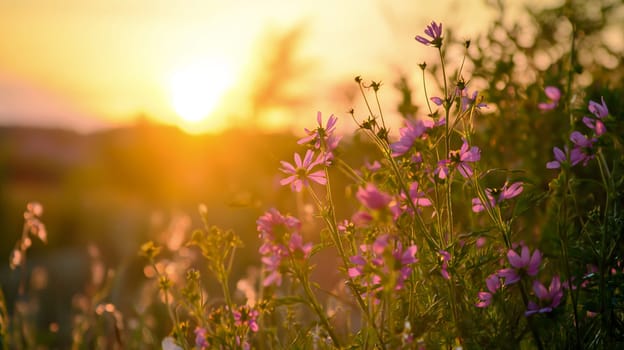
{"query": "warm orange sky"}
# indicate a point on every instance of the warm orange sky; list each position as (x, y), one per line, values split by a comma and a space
(86, 64)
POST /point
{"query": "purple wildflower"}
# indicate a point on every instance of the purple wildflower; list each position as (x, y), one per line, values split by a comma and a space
(595, 124)
(379, 266)
(297, 248)
(409, 134)
(511, 191)
(272, 264)
(361, 218)
(600, 110)
(506, 192)
(583, 150)
(418, 197)
(442, 170)
(375, 202)
(445, 257)
(560, 158)
(469, 101)
(549, 298)
(493, 284)
(524, 263)
(434, 31)
(437, 100)
(403, 261)
(200, 338)
(246, 316)
(463, 156)
(372, 167)
(277, 232)
(272, 224)
(345, 226)
(478, 206)
(554, 95)
(301, 173)
(322, 137)
(372, 198)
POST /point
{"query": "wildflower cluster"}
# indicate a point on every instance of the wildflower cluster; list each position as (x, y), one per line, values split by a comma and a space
(379, 267)
(583, 146)
(421, 246)
(523, 265)
(280, 240)
(407, 238)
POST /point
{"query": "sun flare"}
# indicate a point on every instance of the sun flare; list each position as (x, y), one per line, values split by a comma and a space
(197, 89)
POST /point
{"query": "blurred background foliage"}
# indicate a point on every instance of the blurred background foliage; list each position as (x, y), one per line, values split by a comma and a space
(116, 189)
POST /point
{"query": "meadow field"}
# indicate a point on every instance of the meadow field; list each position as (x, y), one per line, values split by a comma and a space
(489, 215)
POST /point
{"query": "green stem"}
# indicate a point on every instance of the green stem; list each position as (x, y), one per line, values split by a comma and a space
(383, 122)
(609, 189)
(570, 76)
(330, 219)
(449, 199)
(176, 329)
(563, 236)
(426, 94)
(226, 292)
(525, 299)
(302, 276)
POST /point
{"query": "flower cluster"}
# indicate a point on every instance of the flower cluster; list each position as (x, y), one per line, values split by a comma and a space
(246, 316)
(583, 146)
(421, 189)
(280, 239)
(383, 265)
(523, 265)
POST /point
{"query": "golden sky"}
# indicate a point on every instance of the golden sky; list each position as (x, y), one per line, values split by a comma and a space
(86, 64)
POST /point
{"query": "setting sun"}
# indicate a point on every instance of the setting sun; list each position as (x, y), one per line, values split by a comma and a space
(197, 89)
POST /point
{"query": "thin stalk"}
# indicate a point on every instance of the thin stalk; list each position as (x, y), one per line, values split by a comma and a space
(330, 219)
(302, 276)
(383, 123)
(172, 315)
(571, 75)
(426, 94)
(608, 183)
(370, 110)
(449, 202)
(226, 291)
(536, 337)
(447, 143)
(563, 236)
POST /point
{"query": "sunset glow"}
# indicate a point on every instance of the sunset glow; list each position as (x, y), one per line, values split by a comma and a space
(182, 65)
(197, 89)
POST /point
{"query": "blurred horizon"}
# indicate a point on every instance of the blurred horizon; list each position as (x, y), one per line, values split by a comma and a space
(208, 66)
